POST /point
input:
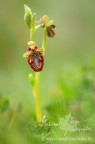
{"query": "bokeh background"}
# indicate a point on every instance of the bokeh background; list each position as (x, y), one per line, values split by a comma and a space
(68, 57)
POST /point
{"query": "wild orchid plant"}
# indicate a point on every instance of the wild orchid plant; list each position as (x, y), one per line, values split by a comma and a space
(34, 54)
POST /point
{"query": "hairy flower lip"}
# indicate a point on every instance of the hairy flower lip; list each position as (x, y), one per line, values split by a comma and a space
(39, 60)
(35, 57)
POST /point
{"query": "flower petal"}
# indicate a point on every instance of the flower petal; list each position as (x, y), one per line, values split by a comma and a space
(49, 23)
(26, 54)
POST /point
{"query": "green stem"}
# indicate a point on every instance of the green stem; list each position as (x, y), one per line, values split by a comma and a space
(36, 90)
(38, 27)
(36, 87)
(32, 34)
(44, 40)
(37, 97)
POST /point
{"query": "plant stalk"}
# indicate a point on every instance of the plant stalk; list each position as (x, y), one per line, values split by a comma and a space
(36, 86)
(36, 89)
(44, 40)
(37, 98)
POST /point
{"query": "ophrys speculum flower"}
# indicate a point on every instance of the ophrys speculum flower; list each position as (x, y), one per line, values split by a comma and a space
(45, 22)
(35, 57)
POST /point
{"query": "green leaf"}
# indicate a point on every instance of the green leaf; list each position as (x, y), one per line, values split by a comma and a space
(28, 16)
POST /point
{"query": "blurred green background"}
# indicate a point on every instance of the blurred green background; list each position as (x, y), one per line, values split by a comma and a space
(68, 60)
(73, 44)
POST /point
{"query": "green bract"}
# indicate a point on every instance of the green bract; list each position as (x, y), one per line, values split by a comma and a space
(28, 16)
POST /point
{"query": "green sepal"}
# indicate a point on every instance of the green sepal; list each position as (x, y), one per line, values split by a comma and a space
(49, 23)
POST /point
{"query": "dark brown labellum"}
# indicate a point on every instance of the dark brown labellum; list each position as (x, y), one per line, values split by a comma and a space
(36, 61)
(50, 32)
